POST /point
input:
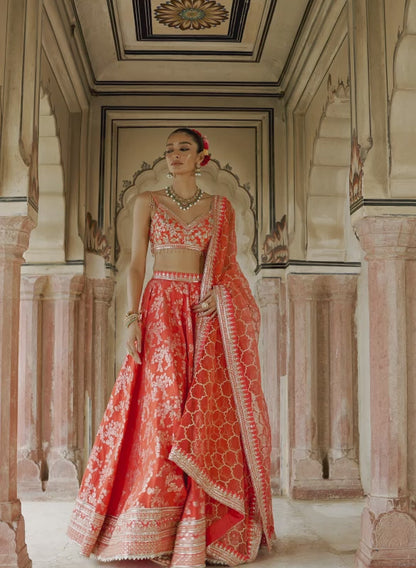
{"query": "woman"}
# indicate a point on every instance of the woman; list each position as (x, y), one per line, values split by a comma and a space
(179, 472)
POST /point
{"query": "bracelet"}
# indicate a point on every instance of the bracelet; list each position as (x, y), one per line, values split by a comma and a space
(132, 317)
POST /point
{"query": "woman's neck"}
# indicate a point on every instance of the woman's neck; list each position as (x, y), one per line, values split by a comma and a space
(184, 186)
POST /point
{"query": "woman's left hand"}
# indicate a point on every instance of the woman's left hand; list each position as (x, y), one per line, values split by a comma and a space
(208, 305)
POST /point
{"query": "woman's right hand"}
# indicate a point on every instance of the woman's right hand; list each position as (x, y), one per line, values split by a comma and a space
(134, 341)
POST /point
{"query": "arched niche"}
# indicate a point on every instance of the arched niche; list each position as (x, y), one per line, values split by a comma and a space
(403, 109)
(214, 180)
(47, 240)
(329, 234)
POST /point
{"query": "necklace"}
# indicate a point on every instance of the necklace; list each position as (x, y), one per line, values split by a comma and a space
(181, 202)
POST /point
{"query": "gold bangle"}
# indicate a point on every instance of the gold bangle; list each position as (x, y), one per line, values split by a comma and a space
(132, 317)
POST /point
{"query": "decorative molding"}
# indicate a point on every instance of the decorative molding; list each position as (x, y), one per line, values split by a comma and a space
(128, 183)
(356, 172)
(95, 240)
(33, 193)
(339, 93)
(275, 249)
(394, 530)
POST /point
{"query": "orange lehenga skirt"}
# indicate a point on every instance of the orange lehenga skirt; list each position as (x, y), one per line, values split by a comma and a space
(134, 501)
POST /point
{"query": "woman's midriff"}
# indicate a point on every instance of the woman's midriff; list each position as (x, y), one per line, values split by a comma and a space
(183, 260)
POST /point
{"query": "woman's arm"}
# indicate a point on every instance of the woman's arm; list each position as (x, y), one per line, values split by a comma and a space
(137, 268)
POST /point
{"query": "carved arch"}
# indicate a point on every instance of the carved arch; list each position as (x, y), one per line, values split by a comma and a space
(47, 240)
(328, 178)
(403, 109)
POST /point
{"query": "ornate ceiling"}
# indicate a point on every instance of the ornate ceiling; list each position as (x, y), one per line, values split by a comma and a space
(190, 45)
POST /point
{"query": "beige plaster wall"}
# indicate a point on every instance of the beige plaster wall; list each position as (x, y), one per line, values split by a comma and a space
(3, 22)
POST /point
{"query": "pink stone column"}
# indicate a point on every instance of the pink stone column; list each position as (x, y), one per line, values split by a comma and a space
(344, 474)
(411, 371)
(103, 289)
(31, 463)
(388, 531)
(306, 467)
(14, 240)
(62, 382)
(269, 300)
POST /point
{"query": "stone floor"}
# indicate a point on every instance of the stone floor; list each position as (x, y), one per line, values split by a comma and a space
(311, 535)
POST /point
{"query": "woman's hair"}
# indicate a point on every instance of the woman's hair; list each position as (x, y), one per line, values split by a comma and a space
(197, 137)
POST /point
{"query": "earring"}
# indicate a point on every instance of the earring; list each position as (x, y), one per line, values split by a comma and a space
(198, 170)
(169, 175)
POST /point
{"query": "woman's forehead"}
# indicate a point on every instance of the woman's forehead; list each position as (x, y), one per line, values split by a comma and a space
(180, 137)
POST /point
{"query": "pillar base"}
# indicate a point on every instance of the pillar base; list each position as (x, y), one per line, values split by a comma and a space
(13, 550)
(344, 475)
(388, 535)
(63, 479)
(322, 489)
(29, 480)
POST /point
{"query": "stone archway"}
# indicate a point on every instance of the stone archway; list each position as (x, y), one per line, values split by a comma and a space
(47, 240)
(51, 328)
(322, 367)
(388, 533)
(328, 178)
(402, 115)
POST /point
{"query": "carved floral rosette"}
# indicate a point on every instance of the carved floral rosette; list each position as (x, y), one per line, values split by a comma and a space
(95, 240)
(274, 248)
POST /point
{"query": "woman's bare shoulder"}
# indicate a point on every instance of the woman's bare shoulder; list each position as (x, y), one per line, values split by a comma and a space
(146, 197)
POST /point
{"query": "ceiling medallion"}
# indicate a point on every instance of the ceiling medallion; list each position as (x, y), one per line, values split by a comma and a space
(191, 14)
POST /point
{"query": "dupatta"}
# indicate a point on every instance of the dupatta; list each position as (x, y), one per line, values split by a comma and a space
(225, 405)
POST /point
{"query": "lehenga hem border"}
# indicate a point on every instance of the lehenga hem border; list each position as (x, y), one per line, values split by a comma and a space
(203, 481)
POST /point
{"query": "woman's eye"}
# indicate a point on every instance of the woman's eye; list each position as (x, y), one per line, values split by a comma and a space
(184, 149)
(168, 152)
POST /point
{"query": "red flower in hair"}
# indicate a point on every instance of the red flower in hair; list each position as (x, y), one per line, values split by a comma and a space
(207, 155)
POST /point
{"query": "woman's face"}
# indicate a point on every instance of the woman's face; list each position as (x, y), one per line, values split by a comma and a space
(182, 154)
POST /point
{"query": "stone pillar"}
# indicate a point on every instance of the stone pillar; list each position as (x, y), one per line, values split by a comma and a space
(344, 475)
(14, 240)
(269, 299)
(62, 381)
(411, 372)
(388, 531)
(103, 289)
(31, 463)
(306, 467)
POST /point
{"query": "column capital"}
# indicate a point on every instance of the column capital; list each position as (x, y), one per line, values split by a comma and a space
(387, 237)
(32, 286)
(341, 286)
(14, 236)
(322, 286)
(64, 286)
(103, 289)
(268, 290)
(301, 286)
